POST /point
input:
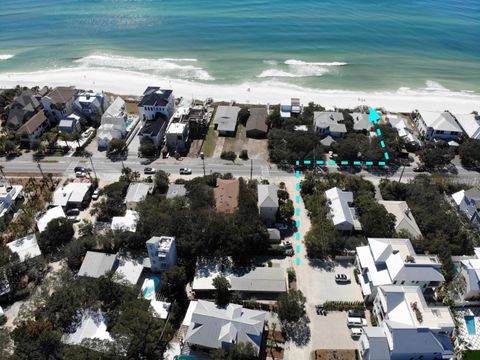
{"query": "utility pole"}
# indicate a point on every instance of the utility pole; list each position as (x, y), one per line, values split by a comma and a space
(251, 169)
(203, 161)
(40, 168)
(401, 174)
(89, 155)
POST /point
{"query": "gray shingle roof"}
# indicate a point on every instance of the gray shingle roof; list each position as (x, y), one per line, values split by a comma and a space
(175, 190)
(257, 119)
(226, 118)
(329, 119)
(138, 191)
(267, 196)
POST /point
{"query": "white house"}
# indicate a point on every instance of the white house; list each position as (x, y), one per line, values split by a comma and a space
(26, 247)
(137, 192)
(404, 219)
(162, 252)
(113, 124)
(177, 136)
(394, 262)
(128, 222)
(59, 102)
(408, 327)
(213, 327)
(225, 121)
(51, 214)
(74, 194)
(438, 125)
(327, 123)
(97, 264)
(470, 270)
(360, 122)
(404, 130)
(8, 196)
(70, 124)
(90, 105)
(465, 200)
(343, 215)
(267, 202)
(156, 101)
(470, 123)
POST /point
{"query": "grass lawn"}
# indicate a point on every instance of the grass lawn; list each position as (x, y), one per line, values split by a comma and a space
(210, 142)
(237, 143)
(471, 355)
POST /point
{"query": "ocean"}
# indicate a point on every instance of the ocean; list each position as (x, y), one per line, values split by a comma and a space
(318, 44)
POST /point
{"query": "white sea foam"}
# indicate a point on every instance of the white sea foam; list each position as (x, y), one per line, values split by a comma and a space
(6, 56)
(270, 62)
(299, 68)
(169, 67)
(435, 86)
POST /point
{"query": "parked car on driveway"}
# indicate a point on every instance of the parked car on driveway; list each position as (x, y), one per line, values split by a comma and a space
(356, 322)
(356, 332)
(79, 169)
(185, 171)
(80, 174)
(342, 278)
(96, 194)
(149, 171)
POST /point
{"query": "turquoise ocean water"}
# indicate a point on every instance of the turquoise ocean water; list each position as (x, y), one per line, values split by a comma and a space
(328, 44)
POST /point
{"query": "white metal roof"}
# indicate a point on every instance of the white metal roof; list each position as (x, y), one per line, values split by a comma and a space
(403, 215)
(470, 123)
(26, 247)
(440, 121)
(92, 326)
(267, 196)
(51, 214)
(128, 222)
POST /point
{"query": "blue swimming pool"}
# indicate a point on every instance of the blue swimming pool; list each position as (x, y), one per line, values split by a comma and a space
(470, 323)
(152, 284)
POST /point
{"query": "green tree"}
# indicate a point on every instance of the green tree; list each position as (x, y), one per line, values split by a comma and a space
(435, 155)
(222, 290)
(76, 137)
(9, 146)
(469, 152)
(37, 340)
(286, 211)
(174, 281)
(147, 149)
(243, 116)
(58, 232)
(375, 219)
(161, 181)
(291, 306)
(116, 146)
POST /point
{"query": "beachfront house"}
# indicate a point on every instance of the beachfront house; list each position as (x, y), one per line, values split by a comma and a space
(162, 251)
(9, 195)
(59, 102)
(260, 283)
(154, 130)
(470, 123)
(403, 128)
(408, 327)
(343, 215)
(361, 123)
(70, 124)
(137, 192)
(468, 202)
(404, 219)
(26, 247)
(327, 123)
(91, 105)
(225, 121)
(156, 101)
(34, 128)
(267, 203)
(257, 127)
(226, 195)
(214, 327)
(177, 137)
(434, 125)
(290, 107)
(22, 109)
(113, 124)
(394, 262)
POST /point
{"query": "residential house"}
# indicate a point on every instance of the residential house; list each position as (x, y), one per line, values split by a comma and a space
(434, 125)
(154, 130)
(72, 195)
(261, 283)
(162, 251)
(129, 269)
(22, 109)
(177, 137)
(70, 124)
(34, 128)
(51, 214)
(113, 124)
(226, 195)
(93, 325)
(137, 192)
(342, 213)
(225, 121)
(361, 122)
(2, 313)
(470, 123)
(257, 127)
(290, 107)
(404, 219)
(394, 262)
(59, 102)
(408, 327)
(9, 194)
(327, 123)
(469, 268)
(214, 327)
(97, 264)
(267, 203)
(467, 203)
(156, 101)
(403, 128)
(274, 235)
(327, 142)
(26, 247)
(90, 105)
(128, 222)
(176, 190)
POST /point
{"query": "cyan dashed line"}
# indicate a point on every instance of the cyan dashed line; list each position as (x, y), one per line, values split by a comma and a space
(297, 249)
(297, 211)
(297, 236)
(297, 199)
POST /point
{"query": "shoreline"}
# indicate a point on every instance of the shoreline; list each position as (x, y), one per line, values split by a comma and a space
(127, 82)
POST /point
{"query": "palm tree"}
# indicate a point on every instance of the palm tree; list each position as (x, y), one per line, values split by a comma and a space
(89, 173)
(76, 137)
(50, 178)
(1, 172)
(64, 136)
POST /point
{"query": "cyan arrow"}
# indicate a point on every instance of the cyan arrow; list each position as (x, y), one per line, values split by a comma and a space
(373, 116)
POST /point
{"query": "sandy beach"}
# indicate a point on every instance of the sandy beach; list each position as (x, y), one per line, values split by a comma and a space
(263, 92)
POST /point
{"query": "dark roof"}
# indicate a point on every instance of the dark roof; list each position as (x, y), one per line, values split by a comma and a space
(16, 117)
(62, 94)
(257, 119)
(26, 98)
(154, 96)
(152, 128)
(34, 123)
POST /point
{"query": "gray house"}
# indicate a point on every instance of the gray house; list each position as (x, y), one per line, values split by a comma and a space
(268, 203)
(225, 121)
(328, 123)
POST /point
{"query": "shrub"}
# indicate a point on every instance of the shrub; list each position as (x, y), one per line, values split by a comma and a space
(228, 155)
(244, 154)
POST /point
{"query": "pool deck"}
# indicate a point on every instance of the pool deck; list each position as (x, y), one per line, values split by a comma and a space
(472, 341)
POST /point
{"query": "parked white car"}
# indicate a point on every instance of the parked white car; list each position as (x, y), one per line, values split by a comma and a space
(356, 322)
(356, 332)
